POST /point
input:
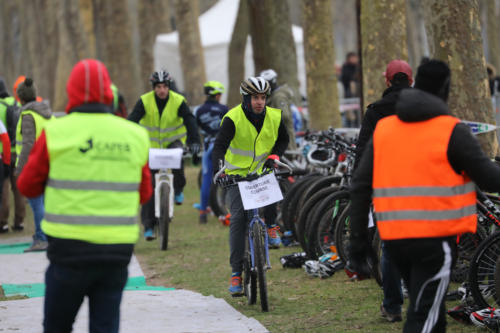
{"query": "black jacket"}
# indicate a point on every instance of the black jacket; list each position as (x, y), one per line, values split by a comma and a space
(184, 112)
(227, 131)
(386, 106)
(464, 154)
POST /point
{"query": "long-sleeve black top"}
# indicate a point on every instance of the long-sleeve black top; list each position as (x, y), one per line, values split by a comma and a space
(184, 112)
(464, 154)
(227, 131)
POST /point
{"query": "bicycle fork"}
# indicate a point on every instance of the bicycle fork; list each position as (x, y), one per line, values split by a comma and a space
(266, 242)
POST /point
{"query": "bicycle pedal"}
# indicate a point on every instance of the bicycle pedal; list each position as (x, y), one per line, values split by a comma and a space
(238, 295)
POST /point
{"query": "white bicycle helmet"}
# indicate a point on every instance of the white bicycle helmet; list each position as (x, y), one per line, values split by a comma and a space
(254, 86)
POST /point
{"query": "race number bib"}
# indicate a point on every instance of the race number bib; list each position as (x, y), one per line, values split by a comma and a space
(260, 192)
(165, 158)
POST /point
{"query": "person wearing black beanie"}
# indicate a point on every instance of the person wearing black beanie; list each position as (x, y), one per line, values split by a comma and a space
(434, 77)
(420, 170)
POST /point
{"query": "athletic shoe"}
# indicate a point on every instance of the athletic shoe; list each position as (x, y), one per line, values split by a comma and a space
(4, 228)
(391, 317)
(179, 198)
(236, 287)
(38, 245)
(203, 217)
(149, 235)
(197, 206)
(225, 220)
(479, 317)
(18, 227)
(273, 237)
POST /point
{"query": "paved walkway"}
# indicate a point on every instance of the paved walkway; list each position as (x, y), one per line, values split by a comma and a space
(144, 308)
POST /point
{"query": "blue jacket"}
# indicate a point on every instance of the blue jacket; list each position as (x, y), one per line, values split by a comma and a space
(208, 117)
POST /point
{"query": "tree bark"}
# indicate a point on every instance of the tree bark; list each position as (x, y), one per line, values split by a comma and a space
(191, 51)
(415, 29)
(456, 37)
(115, 47)
(153, 19)
(383, 34)
(272, 40)
(320, 64)
(492, 33)
(236, 54)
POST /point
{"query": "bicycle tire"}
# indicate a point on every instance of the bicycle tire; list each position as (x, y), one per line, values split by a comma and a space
(318, 241)
(284, 187)
(290, 217)
(164, 219)
(342, 231)
(305, 215)
(250, 278)
(315, 186)
(217, 201)
(260, 264)
(336, 202)
(482, 272)
(292, 191)
(466, 247)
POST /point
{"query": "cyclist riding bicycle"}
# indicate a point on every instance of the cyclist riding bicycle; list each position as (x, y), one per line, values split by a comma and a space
(170, 124)
(251, 137)
(208, 117)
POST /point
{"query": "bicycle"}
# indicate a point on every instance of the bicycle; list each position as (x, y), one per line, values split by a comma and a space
(256, 259)
(164, 160)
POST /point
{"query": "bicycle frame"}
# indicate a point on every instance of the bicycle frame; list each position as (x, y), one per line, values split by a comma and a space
(256, 219)
(161, 177)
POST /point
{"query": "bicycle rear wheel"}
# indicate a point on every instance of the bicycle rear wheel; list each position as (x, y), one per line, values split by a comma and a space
(483, 269)
(260, 263)
(164, 219)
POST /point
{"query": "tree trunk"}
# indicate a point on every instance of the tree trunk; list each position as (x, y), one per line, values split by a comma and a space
(320, 64)
(191, 51)
(11, 55)
(236, 54)
(272, 40)
(456, 35)
(115, 47)
(493, 35)
(153, 19)
(383, 33)
(415, 29)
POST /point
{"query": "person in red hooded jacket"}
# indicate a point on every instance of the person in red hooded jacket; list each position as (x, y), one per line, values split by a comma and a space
(90, 208)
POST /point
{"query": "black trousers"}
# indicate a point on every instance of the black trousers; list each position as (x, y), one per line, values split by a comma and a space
(425, 265)
(148, 209)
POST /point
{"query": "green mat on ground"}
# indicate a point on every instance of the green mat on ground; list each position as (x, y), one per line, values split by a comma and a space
(38, 289)
(14, 248)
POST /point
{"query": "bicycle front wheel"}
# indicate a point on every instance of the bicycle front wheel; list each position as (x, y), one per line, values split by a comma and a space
(249, 277)
(260, 263)
(164, 219)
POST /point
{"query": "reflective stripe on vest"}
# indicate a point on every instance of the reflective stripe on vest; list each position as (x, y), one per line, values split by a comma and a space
(416, 192)
(93, 190)
(40, 123)
(248, 149)
(170, 127)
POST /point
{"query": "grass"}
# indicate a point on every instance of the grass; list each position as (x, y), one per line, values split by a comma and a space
(198, 260)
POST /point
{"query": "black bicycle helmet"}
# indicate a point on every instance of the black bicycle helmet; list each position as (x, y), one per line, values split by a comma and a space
(254, 86)
(161, 76)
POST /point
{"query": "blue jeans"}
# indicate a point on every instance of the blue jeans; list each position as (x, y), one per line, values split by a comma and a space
(206, 180)
(66, 288)
(38, 208)
(391, 284)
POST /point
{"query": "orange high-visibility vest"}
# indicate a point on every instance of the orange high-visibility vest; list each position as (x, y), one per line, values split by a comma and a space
(416, 192)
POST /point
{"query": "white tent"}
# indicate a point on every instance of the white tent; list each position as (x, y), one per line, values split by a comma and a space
(216, 26)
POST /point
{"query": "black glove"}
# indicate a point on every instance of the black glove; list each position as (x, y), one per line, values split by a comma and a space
(6, 171)
(269, 163)
(359, 256)
(194, 148)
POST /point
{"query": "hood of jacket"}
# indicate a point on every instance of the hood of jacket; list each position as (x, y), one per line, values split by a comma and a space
(416, 105)
(42, 108)
(88, 83)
